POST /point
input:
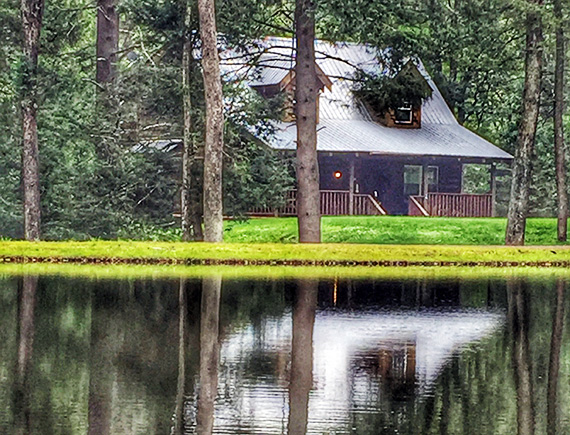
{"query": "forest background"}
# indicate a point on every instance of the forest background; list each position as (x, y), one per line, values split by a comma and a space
(102, 174)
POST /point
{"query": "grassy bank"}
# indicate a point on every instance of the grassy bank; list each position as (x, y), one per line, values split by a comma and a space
(267, 252)
(393, 230)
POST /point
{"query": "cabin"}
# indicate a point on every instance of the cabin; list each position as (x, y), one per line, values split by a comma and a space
(407, 160)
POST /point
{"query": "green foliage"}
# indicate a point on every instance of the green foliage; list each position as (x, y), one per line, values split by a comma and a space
(384, 92)
(95, 180)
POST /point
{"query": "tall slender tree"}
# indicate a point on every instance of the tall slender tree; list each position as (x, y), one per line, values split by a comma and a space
(306, 93)
(32, 15)
(559, 147)
(107, 40)
(522, 170)
(214, 134)
(191, 216)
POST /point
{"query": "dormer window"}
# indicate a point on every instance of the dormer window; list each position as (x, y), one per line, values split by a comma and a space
(403, 114)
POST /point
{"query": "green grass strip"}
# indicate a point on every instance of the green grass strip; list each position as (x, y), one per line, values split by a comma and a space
(276, 251)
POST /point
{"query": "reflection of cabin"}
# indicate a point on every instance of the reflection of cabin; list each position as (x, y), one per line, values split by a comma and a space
(395, 364)
(404, 161)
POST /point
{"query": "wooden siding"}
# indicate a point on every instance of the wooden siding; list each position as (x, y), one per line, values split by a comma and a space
(382, 177)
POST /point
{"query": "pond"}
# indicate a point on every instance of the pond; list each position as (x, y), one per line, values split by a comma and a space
(332, 355)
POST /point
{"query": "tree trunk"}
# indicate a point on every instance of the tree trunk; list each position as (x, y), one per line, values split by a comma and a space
(559, 148)
(554, 360)
(520, 187)
(209, 353)
(107, 40)
(32, 14)
(301, 380)
(191, 215)
(306, 93)
(214, 137)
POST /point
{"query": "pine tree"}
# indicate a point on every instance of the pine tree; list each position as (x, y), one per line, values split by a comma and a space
(32, 15)
(306, 92)
(522, 170)
(214, 134)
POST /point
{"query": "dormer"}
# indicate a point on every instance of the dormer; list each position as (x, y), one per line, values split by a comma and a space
(396, 101)
(403, 116)
(273, 83)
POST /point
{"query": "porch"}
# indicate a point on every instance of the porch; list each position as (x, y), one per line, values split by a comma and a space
(452, 205)
(347, 203)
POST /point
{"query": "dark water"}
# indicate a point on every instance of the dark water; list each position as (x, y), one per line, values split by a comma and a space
(267, 357)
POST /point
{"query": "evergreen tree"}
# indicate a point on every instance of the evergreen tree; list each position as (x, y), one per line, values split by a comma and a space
(32, 16)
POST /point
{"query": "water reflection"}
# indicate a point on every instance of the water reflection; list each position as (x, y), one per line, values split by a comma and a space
(554, 360)
(26, 332)
(209, 353)
(305, 356)
(301, 377)
(519, 325)
(179, 422)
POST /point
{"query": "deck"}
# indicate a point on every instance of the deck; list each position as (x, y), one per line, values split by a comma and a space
(345, 203)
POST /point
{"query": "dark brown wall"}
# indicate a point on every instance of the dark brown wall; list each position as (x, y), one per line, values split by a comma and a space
(385, 176)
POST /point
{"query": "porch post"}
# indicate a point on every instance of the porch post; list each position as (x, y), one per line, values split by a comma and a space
(351, 188)
(425, 181)
(493, 183)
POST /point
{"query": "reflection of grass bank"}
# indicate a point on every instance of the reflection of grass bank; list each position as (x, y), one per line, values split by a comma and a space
(393, 230)
(103, 272)
(276, 254)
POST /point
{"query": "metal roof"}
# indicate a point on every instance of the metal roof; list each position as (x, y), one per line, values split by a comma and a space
(346, 125)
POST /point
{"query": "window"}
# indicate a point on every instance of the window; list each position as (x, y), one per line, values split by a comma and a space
(412, 179)
(403, 114)
(432, 178)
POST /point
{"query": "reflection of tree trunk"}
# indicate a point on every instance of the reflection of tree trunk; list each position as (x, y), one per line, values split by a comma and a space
(25, 348)
(554, 363)
(209, 353)
(100, 372)
(302, 355)
(178, 414)
(447, 380)
(518, 308)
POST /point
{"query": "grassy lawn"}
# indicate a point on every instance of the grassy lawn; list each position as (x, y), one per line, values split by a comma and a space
(268, 252)
(349, 239)
(397, 230)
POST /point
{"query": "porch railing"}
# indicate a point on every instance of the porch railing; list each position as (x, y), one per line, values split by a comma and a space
(452, 205)
(333, 203)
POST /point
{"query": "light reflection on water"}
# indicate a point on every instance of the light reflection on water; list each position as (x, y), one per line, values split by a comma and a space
(335, 356)
(356, 355)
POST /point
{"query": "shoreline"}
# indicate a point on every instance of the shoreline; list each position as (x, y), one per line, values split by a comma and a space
(274, 254)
